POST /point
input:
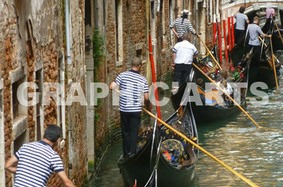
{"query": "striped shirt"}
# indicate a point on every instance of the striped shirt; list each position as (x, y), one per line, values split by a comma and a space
(182, 28)
(185, 52)
(132, 86)
(36, 162)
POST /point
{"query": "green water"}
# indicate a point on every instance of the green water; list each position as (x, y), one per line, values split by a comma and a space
(255, 153)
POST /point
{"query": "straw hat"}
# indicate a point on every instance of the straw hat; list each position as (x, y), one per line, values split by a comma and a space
(185, 11)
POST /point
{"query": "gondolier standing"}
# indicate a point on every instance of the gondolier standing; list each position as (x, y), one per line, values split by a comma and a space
(133, 87)
(241, 21)
(184, 53)
(254, 32)
(182, 25)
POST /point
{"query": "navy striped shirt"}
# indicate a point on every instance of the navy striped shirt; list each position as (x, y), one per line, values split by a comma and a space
(36, 162)
(182, 28)
(132, 86)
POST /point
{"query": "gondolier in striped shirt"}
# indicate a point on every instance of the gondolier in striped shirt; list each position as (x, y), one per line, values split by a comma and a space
(133, 87)
(34, 162)
(182, 25)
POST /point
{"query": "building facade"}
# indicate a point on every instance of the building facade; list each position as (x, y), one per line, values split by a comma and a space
(42, 69)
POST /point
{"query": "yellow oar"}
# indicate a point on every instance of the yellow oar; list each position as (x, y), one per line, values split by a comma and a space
(210, 53)
(202, 149)
(266, 46)
(228, 96)
(273, 63)
(279, 32)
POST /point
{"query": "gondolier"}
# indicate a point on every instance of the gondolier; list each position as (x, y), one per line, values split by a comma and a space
(254, 32)
(133, 87)
(183, 55)
(182, 25)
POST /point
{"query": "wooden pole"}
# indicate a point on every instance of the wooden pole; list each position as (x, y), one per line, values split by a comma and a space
(279, 32)
(232, 31)
(154, 77)
(213, 58)
(219, 41)
(225, 41)
(274, 65)
(229, 34)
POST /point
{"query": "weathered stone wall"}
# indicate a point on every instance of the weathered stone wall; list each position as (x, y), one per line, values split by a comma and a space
(134, 38)
(32, 41)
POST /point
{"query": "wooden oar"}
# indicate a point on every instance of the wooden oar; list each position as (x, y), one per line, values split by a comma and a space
(273, 63)
(209, 52)
(202, 149)
(237, 104)
(266, 46)
(279, 32)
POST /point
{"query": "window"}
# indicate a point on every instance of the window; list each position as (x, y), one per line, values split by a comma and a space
(19, 141)
(18, 109)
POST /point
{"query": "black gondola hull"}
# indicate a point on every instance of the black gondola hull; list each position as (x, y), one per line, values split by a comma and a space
(141, 166)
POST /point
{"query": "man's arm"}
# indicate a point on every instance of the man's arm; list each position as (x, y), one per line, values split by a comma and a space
(67, 182)
(11, 164)
(113, 85)
(175, 32)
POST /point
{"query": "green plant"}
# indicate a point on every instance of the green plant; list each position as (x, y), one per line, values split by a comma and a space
(98, 48)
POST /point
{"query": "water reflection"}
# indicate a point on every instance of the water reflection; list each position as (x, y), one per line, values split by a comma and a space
(256, 153)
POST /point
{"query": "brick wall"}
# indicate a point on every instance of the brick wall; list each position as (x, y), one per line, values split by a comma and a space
(33, 39)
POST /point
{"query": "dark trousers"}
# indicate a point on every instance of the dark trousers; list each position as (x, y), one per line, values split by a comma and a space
(181, 73)
(130, 124)
(239, 35)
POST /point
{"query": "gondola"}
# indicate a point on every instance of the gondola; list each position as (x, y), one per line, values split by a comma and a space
(261, 71)
(208, 111)
(163, 158)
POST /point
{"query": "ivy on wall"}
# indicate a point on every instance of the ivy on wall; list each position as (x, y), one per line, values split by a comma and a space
(98, 48)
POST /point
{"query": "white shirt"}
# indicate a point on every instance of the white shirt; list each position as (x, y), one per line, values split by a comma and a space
(228, 90)
(185, 52)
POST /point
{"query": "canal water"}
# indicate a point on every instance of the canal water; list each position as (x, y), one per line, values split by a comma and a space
(256, 153)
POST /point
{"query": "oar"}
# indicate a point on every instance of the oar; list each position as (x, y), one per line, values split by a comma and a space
(273, 62)
(279, 32)
(209, 52)
(202, 149)
(237, 104)
(266, 46)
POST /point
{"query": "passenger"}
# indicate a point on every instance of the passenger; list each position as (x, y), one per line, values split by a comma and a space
(240, 26)
(182, 25)
(270, 16)
(270, 12)
(228, 91)
(200, 90)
